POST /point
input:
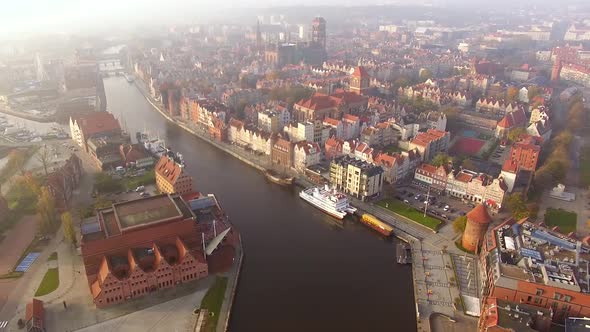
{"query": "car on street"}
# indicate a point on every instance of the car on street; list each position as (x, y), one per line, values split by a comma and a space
(406, 201)
(446, 208)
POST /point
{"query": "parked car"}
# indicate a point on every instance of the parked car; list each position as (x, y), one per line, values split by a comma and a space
(406, 201)
(139, 189)
(446, 208)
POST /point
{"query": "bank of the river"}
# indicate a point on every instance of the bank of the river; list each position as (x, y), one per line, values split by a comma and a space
(301, 181)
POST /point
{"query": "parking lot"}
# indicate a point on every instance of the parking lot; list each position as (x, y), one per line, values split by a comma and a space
(442, 207)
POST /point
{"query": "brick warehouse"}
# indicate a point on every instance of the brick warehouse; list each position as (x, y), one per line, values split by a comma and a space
(137, 247)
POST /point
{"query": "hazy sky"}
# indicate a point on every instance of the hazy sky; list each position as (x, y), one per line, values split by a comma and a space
(67, 15)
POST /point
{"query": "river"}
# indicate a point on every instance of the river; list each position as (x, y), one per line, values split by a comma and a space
(302, 271)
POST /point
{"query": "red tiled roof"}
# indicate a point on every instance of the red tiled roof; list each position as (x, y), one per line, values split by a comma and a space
(97, 122)
(350, 117)
(360, 71)
(464, 177)
(318, 102)
(331, 121)
(236, 123)
(36, 312)
(510, 166)
(169, 169)
(479, 214)
(427, 168)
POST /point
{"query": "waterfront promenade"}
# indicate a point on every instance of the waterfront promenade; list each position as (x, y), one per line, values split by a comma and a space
(433, 273)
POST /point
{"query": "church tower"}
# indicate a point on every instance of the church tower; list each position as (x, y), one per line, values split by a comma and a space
(359, 80)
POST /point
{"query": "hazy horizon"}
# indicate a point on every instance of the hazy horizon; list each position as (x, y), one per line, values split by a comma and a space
(71, 16)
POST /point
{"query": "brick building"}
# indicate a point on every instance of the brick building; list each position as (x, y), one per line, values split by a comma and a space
(35, 316)
(137, 247)
(478, 220)
(282, 152)
(171, 176)
(93, 125)
(62, 182)
(430, 143)
(523, 263)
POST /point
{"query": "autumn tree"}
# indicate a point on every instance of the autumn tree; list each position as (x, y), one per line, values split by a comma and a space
(459, 224)
(45, 157)
(511, 94)
(441, 159)
(517, 206)
(46, 210)
(515, 133)
(16, 160)
(533, 92)
(468, 164)
(68, 227)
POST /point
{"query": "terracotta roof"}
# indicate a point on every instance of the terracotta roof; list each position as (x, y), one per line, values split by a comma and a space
(360, 71)
(510, 166)
(97, 122)
(350, 117)
(318, 102)
(479, 214)
(236, 123)
(132, 152)
(35, 310)
(169, 169)
(463, 177)
(331, 121)
(427, 168)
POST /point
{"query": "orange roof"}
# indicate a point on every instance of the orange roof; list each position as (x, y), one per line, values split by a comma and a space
(97, 122)
(427, 168)
(360, 71)
(464, 177)
(331, 121)
(318, 102)
(169, 169)
(350, 117)
(35, 310)
(479, 214)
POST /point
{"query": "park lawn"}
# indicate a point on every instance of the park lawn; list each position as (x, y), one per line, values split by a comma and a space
(565, 220)
(213, 301)
(410, 213)
(149, 177)
(49, 283)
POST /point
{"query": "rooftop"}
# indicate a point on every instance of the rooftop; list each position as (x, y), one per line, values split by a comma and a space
(529, 252)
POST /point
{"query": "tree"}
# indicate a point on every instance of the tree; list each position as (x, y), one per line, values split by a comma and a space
(511, 94)
(45, 157)
(517, 206)
(533, 92)
(46, 210)
(459, 224)
(515, 133)
(68, 227)
(104, 183)
(425, 74)
(16, 160)
(440, 159)
(468, 164)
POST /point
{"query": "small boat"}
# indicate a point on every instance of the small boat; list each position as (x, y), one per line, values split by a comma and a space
(274, 177)
(376, 224)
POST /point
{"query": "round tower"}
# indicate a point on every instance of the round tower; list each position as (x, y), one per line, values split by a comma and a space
(478, 220)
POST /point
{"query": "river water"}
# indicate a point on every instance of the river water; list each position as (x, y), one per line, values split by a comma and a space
(303, 271)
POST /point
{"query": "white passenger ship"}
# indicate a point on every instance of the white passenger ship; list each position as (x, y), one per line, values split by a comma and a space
(328, 200)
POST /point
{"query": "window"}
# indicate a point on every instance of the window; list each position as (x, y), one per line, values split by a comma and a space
(556, 296)
(567, 298)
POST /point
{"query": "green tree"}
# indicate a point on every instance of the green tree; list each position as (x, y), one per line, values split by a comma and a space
(441, 159)
(459, 224)
(517, 206)
(511, 94)
(104, 183)
(46, 210)
(515, 133)
(68, 227)
(425, 74)
(468, 164)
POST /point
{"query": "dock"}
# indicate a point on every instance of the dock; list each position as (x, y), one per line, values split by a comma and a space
(404, 253)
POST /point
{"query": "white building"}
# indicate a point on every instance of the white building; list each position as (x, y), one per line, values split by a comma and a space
(306, 154)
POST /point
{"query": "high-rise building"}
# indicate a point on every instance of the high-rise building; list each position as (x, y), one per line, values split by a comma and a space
(318, 32)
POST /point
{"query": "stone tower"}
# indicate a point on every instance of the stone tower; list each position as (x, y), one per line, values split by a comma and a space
(478, 220)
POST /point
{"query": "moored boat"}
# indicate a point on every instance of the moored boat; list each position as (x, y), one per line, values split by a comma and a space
(376, 224)
(274, 177)
(328, 200)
